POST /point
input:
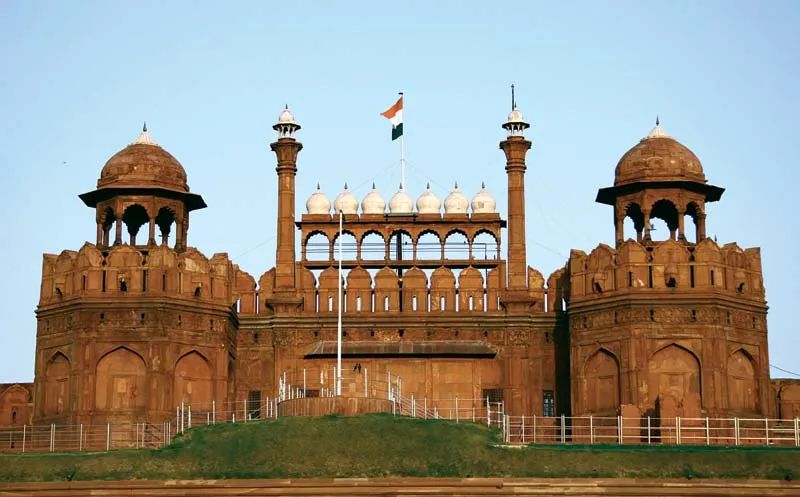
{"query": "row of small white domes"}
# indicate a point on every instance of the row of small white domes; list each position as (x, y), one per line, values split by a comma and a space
(428, 203)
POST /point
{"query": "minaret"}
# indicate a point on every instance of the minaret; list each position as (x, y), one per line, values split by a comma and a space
(286, 149)
(516, 147)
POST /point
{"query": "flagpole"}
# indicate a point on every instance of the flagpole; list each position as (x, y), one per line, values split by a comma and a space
(402, 151)
(339, 319)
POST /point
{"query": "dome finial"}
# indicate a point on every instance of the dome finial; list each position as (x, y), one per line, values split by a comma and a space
(373, 185)
(317, 185)
(455, 185)
(483, 184)
(345, 185)
(657, 123)
(144, 137)
(144, 127)
(428, 186)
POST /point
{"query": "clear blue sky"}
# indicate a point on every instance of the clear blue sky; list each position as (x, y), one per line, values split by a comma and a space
(78, 78)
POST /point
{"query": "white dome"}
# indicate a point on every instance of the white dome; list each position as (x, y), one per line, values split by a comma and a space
(515, 116)
(428, 202)
(318, 203)
(286, 116)
(373, 203)
(400, 203)
(456, 202)
(346, 202)
(483, 202)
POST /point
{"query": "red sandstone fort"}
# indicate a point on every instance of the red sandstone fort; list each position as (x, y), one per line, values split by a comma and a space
(438, 293)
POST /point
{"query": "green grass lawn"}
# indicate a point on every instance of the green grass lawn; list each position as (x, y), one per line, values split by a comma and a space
(383, 445)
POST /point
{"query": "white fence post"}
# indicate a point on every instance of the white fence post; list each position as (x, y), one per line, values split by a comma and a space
(213, 412)
(648, 430)
(24, 433)
(522, 429)
(591, 429)
(366, 383)
(619, 430)
(708, 433)
(244, 410)
(736, 429)
(190, 416)
(534, 428)
(766, 431)
(304, 382)
(677, 430)
(52, 437)
(456, 409)
(796, 433)
(563, 429)
(108, 437)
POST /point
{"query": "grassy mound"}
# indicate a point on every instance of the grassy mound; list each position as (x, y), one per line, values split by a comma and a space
(382, 445)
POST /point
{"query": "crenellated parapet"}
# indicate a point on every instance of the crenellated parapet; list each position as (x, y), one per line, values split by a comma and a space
(668, 268)
(124, 271)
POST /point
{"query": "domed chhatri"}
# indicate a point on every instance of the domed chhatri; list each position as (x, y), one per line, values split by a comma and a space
(401, 203)
(143, 163)
(483, 202)
(286, 126)
(658, 157)
(373, 202)
(318, 203)
(346, 202)
(428, 202)
(456, 202)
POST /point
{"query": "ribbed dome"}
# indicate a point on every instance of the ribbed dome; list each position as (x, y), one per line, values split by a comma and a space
(658, 157)
(456, 202)
(373, 202)
(143, 163)
(483, 202)
(346, 202)
(401, 203)
(318, 203)
(428, 202)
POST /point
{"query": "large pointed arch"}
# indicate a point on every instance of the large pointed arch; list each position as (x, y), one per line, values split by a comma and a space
(194, 385)
(120, 380)
(742, 382)
(602, 390)
(57, 384)
(674, 370)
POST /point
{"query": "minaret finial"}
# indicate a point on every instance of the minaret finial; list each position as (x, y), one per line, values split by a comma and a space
(513, 99)
(657, 123)
(317, 185)
(428, 186)
(373, 185)
(455, 185)
(483, 184)
(144, 127)
(345, 185)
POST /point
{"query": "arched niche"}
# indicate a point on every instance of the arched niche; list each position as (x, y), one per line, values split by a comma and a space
(193, 383)
(674, 371)
(601, 373)
(742, 383)
(120, 381)
(56, 385)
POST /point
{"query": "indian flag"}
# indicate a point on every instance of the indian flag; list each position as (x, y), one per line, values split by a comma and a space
(395, 114)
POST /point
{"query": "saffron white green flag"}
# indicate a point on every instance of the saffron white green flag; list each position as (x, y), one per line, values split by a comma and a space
(395, 115)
